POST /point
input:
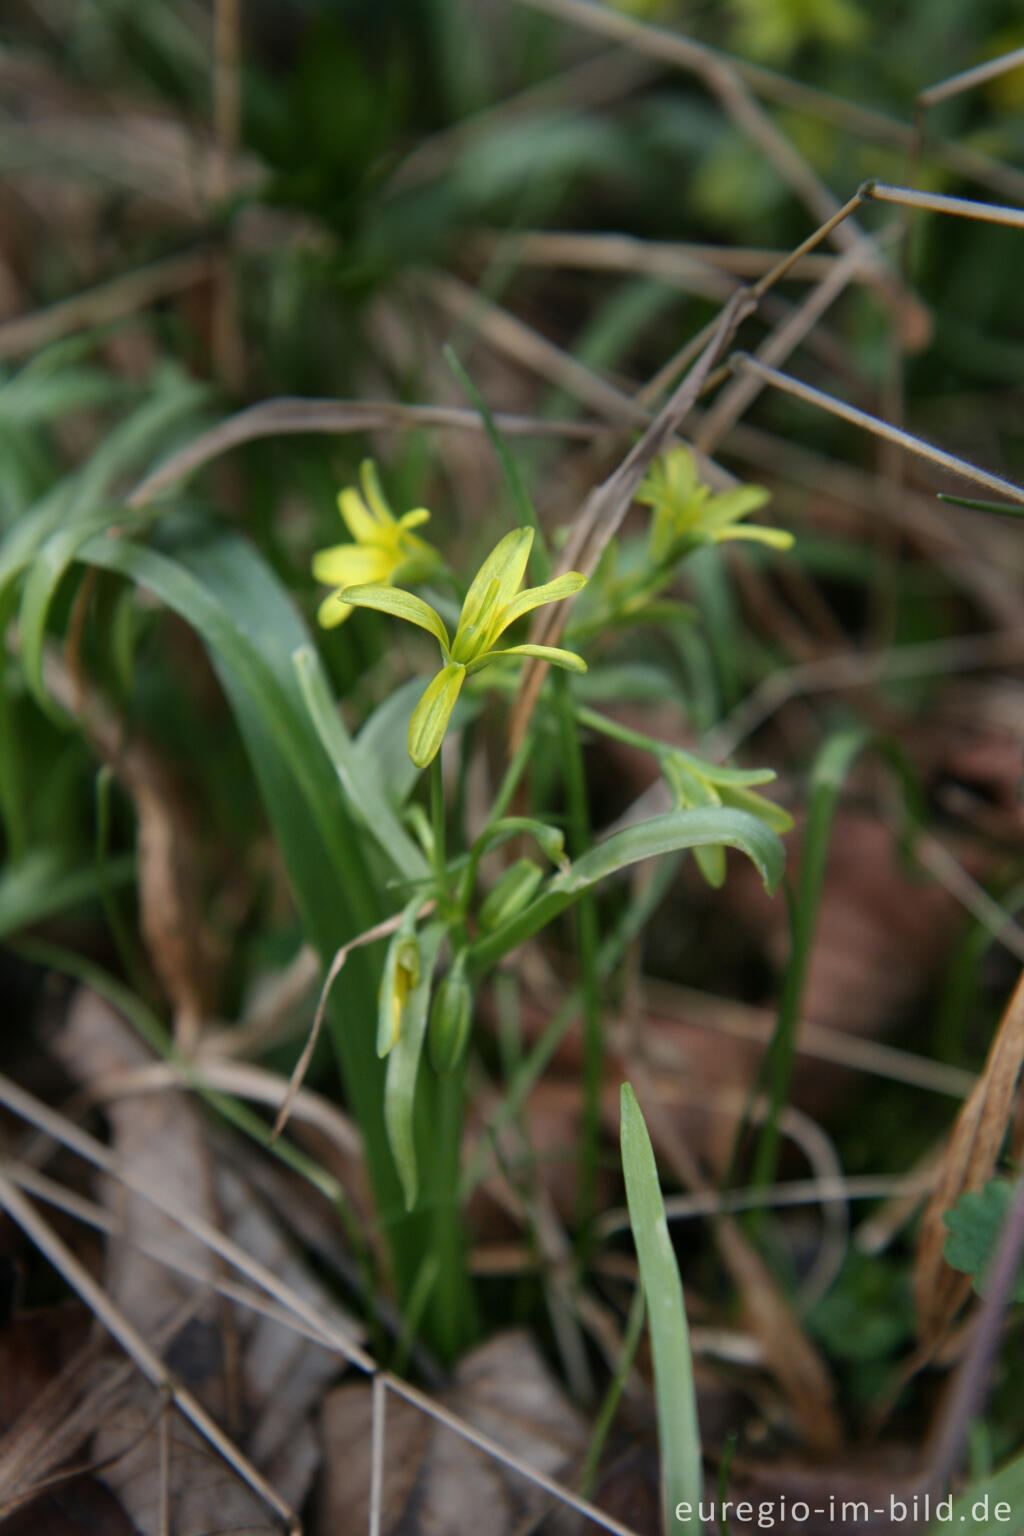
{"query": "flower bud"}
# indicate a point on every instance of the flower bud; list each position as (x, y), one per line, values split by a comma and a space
(451, 1014)
(514, 891)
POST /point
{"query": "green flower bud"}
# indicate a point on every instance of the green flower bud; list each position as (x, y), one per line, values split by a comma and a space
(515, 890)
(451, 1014)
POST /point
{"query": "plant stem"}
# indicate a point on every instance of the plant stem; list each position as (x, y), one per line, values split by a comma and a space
(587, 938)
(437, 816)
(451, 1307)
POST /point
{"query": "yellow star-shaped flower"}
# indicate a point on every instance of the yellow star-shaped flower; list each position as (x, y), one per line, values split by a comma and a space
(385, 548)
(686, 514)
(492, 604)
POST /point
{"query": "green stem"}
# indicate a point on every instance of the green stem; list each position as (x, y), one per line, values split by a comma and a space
(437, 817)
(451, 1307)
(502, 800)
(827, 777)
(587, 938)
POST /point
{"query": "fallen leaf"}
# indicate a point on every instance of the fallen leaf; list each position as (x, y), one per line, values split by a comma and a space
(434, 1480)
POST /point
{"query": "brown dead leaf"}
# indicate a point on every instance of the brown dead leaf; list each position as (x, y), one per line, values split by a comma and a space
(259, 1379)
(970, 1161)
(434, 1481)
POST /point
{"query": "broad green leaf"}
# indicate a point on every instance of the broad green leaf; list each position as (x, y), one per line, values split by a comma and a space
(430, 717)
(675, 1394)
(404, 1066)
(403, 605)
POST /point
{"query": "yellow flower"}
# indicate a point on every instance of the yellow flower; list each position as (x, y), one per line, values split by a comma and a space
(385, 548)
(492, 604)
(686, 514)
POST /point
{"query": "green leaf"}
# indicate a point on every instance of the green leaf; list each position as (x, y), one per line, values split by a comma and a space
(404, 1065)
(362, 786)
(539, 597)
(505, 566)
(754, 533)
(774, 816)
(1006, 508)
(975, 1226)
(40, 885)
(45, 574)
(551, 653)
(403, 605)
(430, 717)
(658, 835)
(551, 839)
(675, 1394)
(693, 790)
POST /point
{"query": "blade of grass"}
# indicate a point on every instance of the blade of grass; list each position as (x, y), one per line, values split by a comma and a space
(678, 1429)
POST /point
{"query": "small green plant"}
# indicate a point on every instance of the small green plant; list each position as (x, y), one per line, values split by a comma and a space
(975, 1226)
(451, 933)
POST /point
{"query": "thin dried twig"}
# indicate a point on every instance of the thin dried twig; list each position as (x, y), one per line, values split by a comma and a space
(39, 1231)
(31, 1110)
(370, 936)
(106, 302)
(938, 202)
(873, 424)
(289, 417)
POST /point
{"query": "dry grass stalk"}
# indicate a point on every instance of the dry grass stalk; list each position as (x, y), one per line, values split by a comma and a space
(39, 1231)
(971, 1159)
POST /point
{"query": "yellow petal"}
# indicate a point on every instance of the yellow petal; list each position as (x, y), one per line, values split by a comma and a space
(361, 523)
(333, 611)
(352, 565)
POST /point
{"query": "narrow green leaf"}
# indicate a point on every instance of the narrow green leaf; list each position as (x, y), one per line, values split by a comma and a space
(430, 717)
(40, 885)
(658, 835)
(539, 597)
(551, 653)
(505, 566)
(45, 574)
(1006, 508)
(675, 1394)
(550, 839)
(755, 533)
(404, 1065)
(403, 605)
(361, 786)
